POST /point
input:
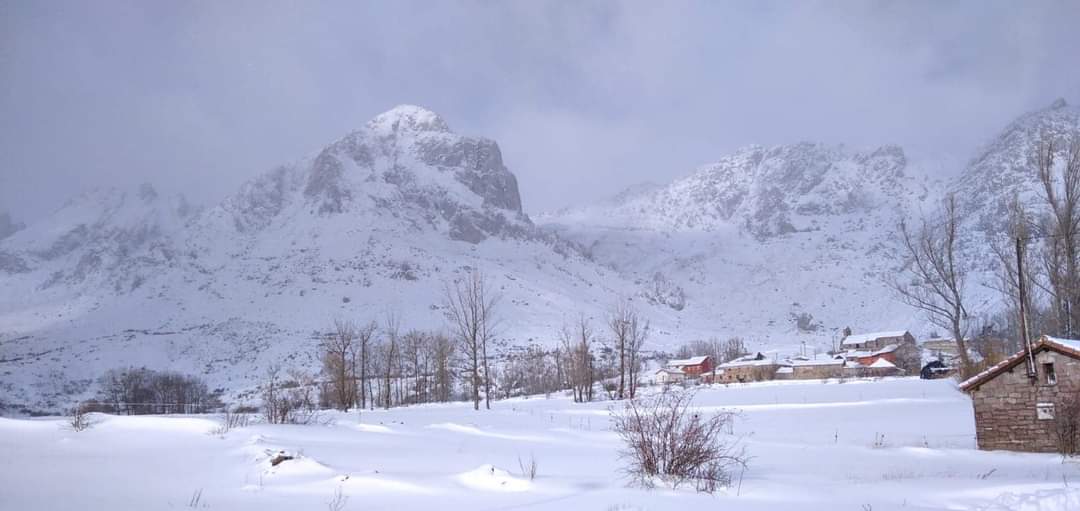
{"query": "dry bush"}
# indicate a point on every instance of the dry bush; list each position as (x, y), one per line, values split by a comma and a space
(337, 500)
(1067, 423)
(79, 420)
(528, 467)
(666, 441)
(230, 420)
(289, 401)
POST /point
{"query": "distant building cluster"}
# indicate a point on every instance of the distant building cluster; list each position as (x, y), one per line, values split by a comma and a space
(891, 353)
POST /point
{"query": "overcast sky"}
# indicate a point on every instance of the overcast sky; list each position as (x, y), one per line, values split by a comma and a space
(584, 98)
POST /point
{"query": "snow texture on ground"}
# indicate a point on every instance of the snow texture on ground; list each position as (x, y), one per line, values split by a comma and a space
(882, 445)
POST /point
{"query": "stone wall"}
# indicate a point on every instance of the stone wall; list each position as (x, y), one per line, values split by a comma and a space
(818, 371)
(1005, 406)
(748, 373)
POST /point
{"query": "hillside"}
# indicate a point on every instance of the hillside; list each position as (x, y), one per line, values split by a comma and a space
(783, 245)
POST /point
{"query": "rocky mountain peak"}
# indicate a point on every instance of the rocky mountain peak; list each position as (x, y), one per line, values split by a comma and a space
(408, 118)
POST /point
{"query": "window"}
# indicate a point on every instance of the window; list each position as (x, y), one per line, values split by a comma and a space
(1044, 411)
(1049, 377)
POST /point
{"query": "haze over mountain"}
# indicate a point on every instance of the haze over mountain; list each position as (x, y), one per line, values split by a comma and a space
(781, 245)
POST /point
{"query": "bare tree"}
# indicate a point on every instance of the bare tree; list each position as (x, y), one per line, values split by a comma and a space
(937, 274)
(664, 439)
(577, 348)
(628, 334)
(1019, 230)
(471, 310)
(442, 355)
(364, 336)
(732, 349)
(339, 363)
(390, 354)
(1061, 249)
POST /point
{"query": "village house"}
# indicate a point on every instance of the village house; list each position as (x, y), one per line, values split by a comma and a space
(1018, 409)
(755, 367)
(817, 368)
(668, 375)
(898, 347)
(693, 367)
(941, 348)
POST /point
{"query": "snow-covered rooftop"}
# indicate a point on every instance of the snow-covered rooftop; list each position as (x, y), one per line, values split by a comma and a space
(758, 359)
(692, 361)
(1068, 343)
(817, 362)
(861, 338)
(882, 364)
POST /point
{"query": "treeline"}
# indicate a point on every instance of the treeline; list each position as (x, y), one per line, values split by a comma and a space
(381, 364)
(138, 391)
(375, 365)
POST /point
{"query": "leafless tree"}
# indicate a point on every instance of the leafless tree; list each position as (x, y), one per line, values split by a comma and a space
(390, 354)
(1061, 247)
(338, 351)
(442, 356)
(577, 350)
(665, 439)
(289, 400)
(1008, 283)
(936, 274)
(364, 338)
(732, 349)
(628, 333)
(471, 309)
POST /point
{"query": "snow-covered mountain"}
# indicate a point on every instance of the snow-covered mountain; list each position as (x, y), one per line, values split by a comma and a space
(375, 223)
(781, 245)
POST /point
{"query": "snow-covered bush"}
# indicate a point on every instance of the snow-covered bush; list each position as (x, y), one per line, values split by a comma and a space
(666, 442)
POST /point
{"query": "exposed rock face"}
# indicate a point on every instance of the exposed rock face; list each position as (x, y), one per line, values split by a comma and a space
(769, 192)
(409, 158)
(1006, 167)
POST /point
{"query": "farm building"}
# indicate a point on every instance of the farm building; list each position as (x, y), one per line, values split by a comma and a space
(756, 367)
(693, 366)
(898, 347)
(1023, 402)
(817, 368)
(667, 376)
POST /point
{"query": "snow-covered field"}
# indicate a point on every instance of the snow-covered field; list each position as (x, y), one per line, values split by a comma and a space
(860, 445)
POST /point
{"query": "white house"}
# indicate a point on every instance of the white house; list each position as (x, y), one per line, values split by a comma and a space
(667, 375)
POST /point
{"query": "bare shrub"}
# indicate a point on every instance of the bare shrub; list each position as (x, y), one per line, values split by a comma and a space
(289, 401)
(196, 501)
(666, 441)
(528, 467)
(230, 420)
(337, 500)
(79, 420)
(1067, 424)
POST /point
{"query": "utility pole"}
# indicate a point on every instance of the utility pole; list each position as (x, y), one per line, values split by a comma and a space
(1023, 308)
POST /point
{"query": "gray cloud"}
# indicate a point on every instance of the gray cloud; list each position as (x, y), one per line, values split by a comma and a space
(584, 97)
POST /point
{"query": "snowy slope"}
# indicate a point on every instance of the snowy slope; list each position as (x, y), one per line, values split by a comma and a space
(783, 246)
(897, 444)
(375, 223)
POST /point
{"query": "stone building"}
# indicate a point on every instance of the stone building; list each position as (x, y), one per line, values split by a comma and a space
(756, 367)
(1019, 411)
(817, 368)
(898, 347)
